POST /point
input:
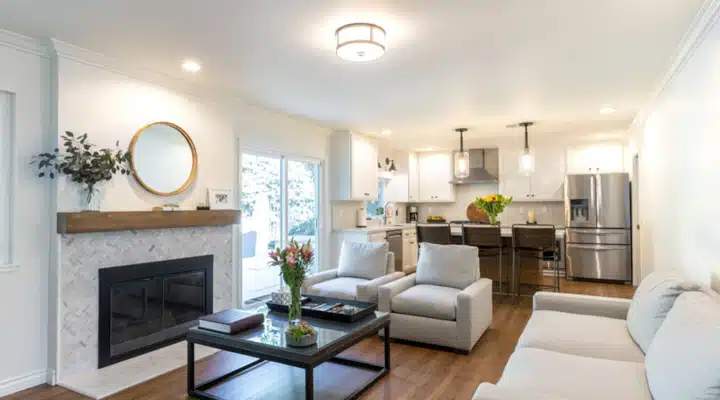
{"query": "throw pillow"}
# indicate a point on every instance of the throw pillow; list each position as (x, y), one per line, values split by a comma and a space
(363, 260)
(683, 361)
(652, 301)
(447, 265)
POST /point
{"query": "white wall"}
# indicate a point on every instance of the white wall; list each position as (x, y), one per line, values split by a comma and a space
(23, 290)
(679, 169)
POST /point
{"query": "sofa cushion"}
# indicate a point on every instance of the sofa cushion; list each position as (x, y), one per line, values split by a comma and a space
(652, 301)
(574, 377)
(340, 288)
(581, 335)
(427, 301)
(363, 260)
(453, 266)
(683, 361)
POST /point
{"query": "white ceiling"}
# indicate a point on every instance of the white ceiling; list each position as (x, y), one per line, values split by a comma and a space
(483, 64)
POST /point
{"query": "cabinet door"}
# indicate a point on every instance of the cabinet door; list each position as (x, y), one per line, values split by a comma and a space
(364, 153)
(546, 183)
(512, 182)
(609, 158)
(434, 175)
(397, 189)
(407, 253)
(413, 252)
(413, 193)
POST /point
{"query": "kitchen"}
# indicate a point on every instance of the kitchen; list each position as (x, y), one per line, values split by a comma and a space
(422, 184)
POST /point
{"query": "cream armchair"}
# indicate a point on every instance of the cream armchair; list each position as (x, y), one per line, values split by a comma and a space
(445, 303)
(363, 268)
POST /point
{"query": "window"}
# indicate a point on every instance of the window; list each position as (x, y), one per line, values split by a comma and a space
(373, 205)
(6, 146)
(280, 201)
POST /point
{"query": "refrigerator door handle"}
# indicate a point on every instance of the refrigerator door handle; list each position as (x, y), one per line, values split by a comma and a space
(597, 247)
(597, 188)
(596, 231)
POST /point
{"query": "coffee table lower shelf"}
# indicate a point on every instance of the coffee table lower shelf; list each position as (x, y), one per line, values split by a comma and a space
(200, 391)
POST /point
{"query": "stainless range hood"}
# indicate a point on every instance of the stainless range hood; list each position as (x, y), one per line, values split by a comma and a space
(484, 167)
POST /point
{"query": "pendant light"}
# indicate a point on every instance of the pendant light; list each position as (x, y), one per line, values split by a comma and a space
(461, 158)
(527, 159)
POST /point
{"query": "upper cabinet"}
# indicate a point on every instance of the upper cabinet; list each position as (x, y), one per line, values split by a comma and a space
(596, 158)
(353, 167)
(397, 189)
(545, 184)
(413, 179)
(434, 176)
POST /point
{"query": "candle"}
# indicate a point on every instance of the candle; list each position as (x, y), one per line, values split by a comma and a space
(531, 217)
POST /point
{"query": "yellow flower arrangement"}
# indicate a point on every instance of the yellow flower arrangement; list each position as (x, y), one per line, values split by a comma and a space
(493, 205)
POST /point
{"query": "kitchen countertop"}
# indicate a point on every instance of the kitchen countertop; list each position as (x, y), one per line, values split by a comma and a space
(505, 230)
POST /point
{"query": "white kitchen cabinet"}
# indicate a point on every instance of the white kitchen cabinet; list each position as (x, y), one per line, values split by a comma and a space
(353, 167)
(596, 158)
(413, 180)
(397, 189)
(410, 251)
(434, 176)
(544, 184)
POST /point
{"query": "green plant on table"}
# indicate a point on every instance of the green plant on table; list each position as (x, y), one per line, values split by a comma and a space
(493, 205)
(298, 331)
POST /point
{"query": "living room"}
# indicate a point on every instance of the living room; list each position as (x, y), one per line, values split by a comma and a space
(266, 107)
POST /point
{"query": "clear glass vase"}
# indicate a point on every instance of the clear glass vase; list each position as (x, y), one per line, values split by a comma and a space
(295, 310)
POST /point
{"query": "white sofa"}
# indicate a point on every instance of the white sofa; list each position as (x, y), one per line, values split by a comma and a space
(445, 303)
(662, 345)
(363, 268)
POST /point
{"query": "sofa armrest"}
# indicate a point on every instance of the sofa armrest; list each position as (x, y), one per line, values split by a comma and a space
(474, 310)
(488, 391)
(318, 278)
(368, 291)
(582, 304)
(389, 290)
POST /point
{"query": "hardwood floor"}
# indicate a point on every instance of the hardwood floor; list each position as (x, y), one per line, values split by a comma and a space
(417, 372)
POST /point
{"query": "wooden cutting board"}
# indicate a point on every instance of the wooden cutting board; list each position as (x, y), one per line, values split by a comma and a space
(475, 214)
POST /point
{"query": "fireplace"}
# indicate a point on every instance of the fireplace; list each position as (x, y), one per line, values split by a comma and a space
(143, 307)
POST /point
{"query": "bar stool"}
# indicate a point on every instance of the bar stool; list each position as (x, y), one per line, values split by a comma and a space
(538, 242)
(488, 240)
(434, 233)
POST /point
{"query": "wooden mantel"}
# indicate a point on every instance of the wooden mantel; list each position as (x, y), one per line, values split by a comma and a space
(85, 222)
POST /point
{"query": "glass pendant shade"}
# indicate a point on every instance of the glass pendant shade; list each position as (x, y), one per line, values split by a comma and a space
(527, 163)
(462, 164)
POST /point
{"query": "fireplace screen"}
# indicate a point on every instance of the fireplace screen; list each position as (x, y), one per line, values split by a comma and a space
(147, 306)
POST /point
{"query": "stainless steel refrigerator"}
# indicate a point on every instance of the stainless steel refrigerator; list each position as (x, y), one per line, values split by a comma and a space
(598, 222)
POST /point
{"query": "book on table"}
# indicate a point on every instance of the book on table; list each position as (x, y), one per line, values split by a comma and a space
(231, 321)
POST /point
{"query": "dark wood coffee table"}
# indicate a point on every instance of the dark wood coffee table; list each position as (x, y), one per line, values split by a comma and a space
(267, 344)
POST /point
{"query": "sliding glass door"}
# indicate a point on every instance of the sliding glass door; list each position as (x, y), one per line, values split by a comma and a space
(280, 201)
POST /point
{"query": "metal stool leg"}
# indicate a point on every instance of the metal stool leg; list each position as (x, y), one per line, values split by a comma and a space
(500, 275)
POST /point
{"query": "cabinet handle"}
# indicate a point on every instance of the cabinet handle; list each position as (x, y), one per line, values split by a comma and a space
(527, 195)
(589, 169)
(532, 195)
(367, 194)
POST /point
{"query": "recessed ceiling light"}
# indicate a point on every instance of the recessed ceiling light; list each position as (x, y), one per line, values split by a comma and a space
(607, 110)
(191, 66)
(360, 42)
(386, 132)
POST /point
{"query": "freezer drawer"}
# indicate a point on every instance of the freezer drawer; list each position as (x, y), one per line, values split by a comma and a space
(599, 261)
(599, 236)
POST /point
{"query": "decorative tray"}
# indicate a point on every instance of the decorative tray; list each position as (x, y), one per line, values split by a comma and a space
(320, 307)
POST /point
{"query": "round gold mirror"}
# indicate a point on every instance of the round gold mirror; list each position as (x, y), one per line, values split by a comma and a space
(164, 159)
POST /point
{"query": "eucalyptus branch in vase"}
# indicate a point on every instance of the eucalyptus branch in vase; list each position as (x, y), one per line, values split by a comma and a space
(83, 163)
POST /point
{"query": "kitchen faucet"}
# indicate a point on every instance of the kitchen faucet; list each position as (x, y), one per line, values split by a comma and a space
(385, 207)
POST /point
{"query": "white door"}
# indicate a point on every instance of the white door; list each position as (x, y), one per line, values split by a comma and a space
(547, 181)
(413, 193)
(512, 182)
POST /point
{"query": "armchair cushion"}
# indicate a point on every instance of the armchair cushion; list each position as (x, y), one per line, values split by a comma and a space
(453, 266)
(363, 260)
(368, 291)
(340, 288)
(437, 302)
(312, 280)
(652, 301)
(388, 291)
(582, 304)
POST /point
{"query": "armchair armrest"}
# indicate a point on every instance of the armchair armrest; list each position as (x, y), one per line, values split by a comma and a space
(368, 291)
(582, 304)
(488, 391)
(388, 291)
(474, 310)
(319, 277)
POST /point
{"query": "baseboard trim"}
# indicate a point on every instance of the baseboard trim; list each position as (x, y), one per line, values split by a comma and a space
(22, 382)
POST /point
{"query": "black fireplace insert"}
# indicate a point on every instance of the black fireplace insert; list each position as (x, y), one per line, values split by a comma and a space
(147, 306)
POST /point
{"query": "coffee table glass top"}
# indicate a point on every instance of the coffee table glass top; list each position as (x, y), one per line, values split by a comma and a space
(272, 333)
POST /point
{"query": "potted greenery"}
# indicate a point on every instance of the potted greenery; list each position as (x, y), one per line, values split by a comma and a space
(83, 163)
(493, 205)
(302, 335)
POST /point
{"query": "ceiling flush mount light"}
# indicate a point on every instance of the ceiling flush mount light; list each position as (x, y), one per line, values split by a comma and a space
(527, 160)
(607, 110)
(461, 158)
(360, 42)
(191, 66)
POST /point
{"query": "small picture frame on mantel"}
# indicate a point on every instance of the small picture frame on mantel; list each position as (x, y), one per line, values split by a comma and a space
(220, 199)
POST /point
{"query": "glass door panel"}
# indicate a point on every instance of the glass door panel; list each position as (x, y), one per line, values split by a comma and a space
(261, 204)
(303, 183)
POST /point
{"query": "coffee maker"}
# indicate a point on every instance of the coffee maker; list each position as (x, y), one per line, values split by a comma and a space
(412, 214)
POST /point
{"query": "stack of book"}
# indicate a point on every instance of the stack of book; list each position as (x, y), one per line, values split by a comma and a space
(231, 321)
